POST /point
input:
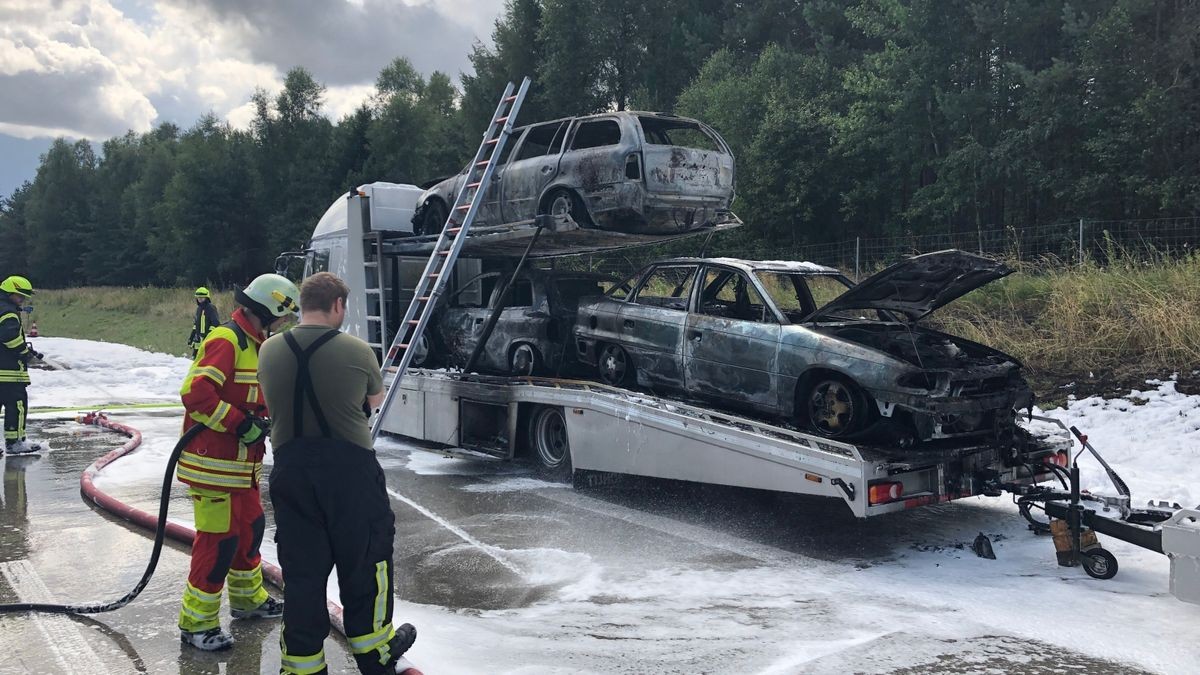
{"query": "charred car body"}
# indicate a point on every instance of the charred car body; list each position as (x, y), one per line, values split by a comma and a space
(801, 342)
(624, 171)
(532, 331)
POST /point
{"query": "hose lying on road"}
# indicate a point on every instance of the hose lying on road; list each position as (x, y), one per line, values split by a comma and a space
(123, 510)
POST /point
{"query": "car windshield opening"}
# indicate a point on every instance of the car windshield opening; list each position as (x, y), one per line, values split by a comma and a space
(681, 133)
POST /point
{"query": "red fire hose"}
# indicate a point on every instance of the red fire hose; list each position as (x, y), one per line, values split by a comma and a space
(149, 521)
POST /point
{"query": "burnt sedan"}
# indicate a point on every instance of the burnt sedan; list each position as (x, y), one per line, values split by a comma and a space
(647, 173)
(533, 328)
(801, 342)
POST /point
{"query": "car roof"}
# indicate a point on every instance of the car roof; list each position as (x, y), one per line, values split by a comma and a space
(615, 113)
(757, 265)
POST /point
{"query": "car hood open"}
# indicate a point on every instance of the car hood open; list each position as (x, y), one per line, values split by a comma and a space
(917, 286)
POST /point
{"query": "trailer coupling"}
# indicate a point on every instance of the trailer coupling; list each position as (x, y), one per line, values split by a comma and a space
(1074, 517)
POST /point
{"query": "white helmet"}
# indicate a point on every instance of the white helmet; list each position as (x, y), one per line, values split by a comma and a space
(269, 297)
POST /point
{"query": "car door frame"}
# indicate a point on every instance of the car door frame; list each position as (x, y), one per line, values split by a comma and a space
(493, 195)
(652, 335)
(752, 382)
(521, 195)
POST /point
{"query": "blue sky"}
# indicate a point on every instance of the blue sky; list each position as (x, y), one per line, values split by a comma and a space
(97, 68)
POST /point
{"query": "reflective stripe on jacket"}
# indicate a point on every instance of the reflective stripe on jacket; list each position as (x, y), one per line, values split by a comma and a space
(14, 350)
(219, 391)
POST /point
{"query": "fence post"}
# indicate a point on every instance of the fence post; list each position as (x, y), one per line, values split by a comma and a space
(979, 233)
(1081, 242)
(856, 248)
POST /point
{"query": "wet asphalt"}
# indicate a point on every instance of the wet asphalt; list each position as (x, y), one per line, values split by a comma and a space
(469, 547)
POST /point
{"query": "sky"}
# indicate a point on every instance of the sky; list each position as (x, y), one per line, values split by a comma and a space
(98, 68)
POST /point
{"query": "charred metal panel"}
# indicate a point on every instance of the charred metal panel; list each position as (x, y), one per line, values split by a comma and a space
(732, 359)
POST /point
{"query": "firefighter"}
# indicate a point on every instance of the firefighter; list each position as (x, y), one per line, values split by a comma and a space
(327, 489)
(223, 464)
(15, 355)
(205, 320)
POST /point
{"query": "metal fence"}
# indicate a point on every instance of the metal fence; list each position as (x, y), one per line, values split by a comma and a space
(1070, 243)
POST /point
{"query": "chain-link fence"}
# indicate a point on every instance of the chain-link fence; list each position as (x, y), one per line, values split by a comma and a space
(1068, 243)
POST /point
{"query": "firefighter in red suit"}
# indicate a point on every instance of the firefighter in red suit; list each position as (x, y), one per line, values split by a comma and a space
(222, 465)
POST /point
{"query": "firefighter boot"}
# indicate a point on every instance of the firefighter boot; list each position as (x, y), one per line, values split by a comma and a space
(270, 609)
(23, 447)
(211, 640)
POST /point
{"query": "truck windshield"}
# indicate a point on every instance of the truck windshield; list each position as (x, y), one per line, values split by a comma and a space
(666, 131)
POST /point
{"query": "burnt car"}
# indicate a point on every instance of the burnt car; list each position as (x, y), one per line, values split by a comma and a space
(622, 171)
(532, 332)
(801, 342)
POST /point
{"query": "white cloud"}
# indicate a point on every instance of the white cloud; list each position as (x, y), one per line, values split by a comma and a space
(96, 68)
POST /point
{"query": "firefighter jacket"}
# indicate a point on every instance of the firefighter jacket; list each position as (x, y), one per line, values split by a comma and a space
(205, 320)
(14, 350)
(220, 390)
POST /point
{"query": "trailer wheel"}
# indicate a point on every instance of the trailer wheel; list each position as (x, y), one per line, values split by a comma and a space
(549, 441)
(615, 367)
(524, 360)
(563, 202)
(834, 407)
(1099, 563)
(434, 219)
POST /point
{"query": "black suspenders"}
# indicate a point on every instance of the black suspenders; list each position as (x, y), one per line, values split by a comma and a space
(304, 385)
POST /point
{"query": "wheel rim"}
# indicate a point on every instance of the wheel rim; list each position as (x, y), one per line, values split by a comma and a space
(421, 352)
(551, 435)
(1099, 565)
(561, 205)
(522, 361)
(831, 408)
(613, 365)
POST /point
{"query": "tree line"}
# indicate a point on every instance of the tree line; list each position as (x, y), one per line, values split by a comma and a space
(847, 117)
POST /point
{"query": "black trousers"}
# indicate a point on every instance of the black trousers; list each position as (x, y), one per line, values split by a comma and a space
(332, 511)
(14, 397)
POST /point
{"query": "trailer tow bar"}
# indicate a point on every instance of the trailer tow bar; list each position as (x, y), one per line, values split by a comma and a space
(1074, 516)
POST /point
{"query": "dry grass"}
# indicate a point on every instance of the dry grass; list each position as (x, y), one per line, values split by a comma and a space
(157, 319)
(1129, 314)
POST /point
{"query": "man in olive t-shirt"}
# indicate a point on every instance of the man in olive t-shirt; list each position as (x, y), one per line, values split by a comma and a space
(328, 491)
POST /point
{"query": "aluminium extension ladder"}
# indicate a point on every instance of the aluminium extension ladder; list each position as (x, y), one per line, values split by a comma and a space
(450, 241)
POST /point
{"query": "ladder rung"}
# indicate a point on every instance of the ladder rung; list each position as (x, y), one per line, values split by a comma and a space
(502, 120)
(510, 98)
(414, 322)
(464, 207)
(371, 291)
(424, 298)
(373, 318)
(454, 230)
(483, 163)
(434, 274)
(474, 185)
(492, 141)
(443, 252)
(371, 263)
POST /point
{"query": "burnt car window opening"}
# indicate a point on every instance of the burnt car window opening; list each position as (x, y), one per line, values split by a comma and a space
(556, 144)
(668, 287)
(622, 290)
(472, 293)
(826, 289)
(596, 134)
(537, 141)
(787, 291)
(520, 294)
(730, 295)
(684, 134)
(571, 290)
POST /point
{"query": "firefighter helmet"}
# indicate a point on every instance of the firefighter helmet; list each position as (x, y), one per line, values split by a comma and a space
(202, 292)
(269, 297)
(18, 285)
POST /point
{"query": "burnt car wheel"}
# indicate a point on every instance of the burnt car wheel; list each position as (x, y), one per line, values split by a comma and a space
(563, 202)
(834, 407)
(615, 367)
(549, 441)
(524, 360)
(434, 219)
(423, 352)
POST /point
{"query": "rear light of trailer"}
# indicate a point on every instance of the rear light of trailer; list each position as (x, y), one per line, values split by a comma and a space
(1060, 458)
(882, 493)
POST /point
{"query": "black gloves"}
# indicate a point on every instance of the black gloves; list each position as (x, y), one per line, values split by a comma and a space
(30, 354)
(252, 429)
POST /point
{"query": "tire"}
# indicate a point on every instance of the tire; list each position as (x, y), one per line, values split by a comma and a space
(423, 353)
(1099, 563)
(434, 218)
(549, 444)
(614, 366)
(563, 202)
(523, 360)
(833, 407)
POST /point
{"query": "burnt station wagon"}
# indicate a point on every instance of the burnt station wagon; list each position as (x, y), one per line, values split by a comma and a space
(623, 171)
(801, 342)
